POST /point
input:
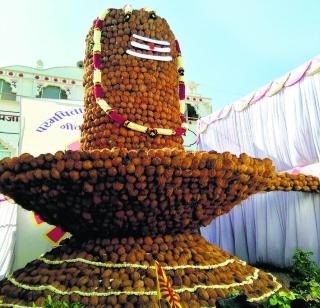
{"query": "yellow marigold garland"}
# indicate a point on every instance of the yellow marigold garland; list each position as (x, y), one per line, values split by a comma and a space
(133, 265)
(248, 280)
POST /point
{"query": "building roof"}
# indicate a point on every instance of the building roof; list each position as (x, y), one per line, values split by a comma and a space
(71, 72)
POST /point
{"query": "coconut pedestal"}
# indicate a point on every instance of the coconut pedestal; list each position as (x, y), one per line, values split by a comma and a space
(120, 272)
(128, 209)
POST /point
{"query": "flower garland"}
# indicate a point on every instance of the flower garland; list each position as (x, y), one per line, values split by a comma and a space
(266, 295)
(251, 299)
(17, 306)
(249, 279)
(262, 297)
(132, 265)
(99, 94)
(81, 293)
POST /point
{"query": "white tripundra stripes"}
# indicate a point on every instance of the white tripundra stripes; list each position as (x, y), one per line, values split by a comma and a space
(147, 47)
(150, 40)
(149, 57)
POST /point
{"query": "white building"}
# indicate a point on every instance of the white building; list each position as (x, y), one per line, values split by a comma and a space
(22, 81)
(197, 106)
(64, 83)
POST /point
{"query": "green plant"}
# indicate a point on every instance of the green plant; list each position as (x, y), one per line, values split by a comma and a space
(305, 286)
(234, 292)
(303, 268)
(306, 281)
(49, 303)
(281, 299)
(310, 290)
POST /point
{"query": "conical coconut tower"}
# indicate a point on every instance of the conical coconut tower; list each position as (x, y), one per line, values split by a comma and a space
(132, 196)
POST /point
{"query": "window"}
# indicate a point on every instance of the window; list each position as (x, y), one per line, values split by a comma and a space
(6, 91)
(4, 151)
(191, 112)
(53, 92)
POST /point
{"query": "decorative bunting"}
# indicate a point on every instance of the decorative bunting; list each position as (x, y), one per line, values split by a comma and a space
(164, 288)
(55, 234)
(273, 88)
(37, 219)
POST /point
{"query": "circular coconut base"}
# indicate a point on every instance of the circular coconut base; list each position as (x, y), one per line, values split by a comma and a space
(121, 273)
(119, 192)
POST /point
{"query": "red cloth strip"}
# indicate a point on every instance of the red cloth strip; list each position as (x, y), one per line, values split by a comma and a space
(116, 117)
(178, 47)
(98, 23)
(183, 118)
(55, 234)
(98, 92)
(182, 90)
(97, 61)
(180, 131)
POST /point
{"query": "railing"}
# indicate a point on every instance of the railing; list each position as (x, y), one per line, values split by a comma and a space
(191, 118)
(8, 96)
(16, 97)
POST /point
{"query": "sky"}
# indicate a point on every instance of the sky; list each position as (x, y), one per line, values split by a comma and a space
(230, 47)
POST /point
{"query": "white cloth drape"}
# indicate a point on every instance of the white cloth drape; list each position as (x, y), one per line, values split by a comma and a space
(286, 128)
(8, 220)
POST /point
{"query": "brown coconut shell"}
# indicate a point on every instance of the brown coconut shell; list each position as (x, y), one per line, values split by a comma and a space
(121, 192)
(143, 91)
(109, 272)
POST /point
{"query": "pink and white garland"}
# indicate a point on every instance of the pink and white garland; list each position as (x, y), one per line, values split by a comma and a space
(99, 93)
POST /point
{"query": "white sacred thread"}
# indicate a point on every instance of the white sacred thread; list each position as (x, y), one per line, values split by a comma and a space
(149, 57)
(147, 47)
(150, 40)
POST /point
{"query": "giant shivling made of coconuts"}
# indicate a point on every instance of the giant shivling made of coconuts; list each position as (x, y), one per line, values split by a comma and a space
(139, 69)
(132, 195)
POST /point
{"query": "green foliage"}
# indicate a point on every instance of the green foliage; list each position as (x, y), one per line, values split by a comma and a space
(49, 303)
(305, 285)
(282, 299)
(306, 275)
(303, 268)
(234, 292)
(310, 291)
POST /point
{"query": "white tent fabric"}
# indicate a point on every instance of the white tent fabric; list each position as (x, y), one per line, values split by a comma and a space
(286, 128)
(8, 220)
